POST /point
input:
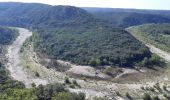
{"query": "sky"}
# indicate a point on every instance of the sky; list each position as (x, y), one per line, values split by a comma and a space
(137, 4)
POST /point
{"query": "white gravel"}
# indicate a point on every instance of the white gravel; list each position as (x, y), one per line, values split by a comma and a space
(159, 52)
(16, 70)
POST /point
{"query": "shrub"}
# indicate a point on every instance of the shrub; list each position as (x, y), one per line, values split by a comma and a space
(157, 86)
(166, 96)
(156, 98)
(33, 85)
(68, 96)
(37, 74)
(128, 95)
(147, 97)
(142, 88)
(75, 82)
(117, 93)
(67, 81)
(72, 86)
(100, 98)
(46, 92)
(152, 89)
(164, 87)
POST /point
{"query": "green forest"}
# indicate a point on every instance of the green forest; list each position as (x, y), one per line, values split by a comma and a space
(95, 47)
(7, 35)
(72, 34)
(82, 37)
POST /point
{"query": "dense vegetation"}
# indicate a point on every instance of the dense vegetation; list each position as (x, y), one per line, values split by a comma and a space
(7, 35)
(94, 47)
(67, 33)
(157, 34)
(14, 90)
(130, 17)
(72, 34)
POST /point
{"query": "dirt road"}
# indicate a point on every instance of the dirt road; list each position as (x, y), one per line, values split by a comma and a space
(16, 70)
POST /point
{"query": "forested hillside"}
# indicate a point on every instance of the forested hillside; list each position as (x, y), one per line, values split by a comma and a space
(33, 15)
(130, 17)
(7, 35)
(157, 34)
(72, 34)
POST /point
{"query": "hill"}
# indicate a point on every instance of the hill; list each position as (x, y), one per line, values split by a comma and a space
(130, 17)
(72, 34)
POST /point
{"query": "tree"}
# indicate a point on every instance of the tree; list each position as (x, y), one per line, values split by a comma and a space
(75, 82)
(67, 81)
(40, 92)
(3, 76)
(94, 62)
(62, 96)
(37, 74)
(68, 96)
(128, 95)
(145, 61)
(147, 97)
(156, 98)
(155, 59)
(33, 85)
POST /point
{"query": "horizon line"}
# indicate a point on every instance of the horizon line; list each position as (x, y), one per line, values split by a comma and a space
(87, 6)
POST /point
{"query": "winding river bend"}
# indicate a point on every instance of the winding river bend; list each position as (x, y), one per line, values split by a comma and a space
(18, 73)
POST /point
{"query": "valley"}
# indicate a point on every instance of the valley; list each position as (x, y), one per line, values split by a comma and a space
(70, 53)
(29, 64)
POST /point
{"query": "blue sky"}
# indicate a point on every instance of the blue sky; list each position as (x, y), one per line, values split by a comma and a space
(139, 4)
